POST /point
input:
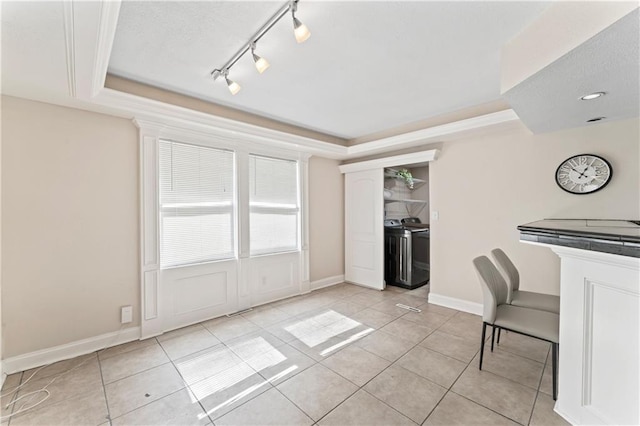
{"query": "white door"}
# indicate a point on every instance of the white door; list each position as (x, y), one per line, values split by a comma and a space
(364, 230)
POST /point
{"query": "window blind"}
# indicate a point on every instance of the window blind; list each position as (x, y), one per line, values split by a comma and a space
(196, 204)
(273, 205)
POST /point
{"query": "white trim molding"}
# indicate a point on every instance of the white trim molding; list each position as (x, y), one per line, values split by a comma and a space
(396, 160)
(455, 303)
(326, 282)
(430, 134)
(70, 350)
(67, 7)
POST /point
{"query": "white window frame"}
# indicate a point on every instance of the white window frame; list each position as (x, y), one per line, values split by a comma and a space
(232, 208)
(297, 210)
(243, 144)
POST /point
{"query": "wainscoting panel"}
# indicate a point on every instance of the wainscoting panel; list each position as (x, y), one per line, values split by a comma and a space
(196, 293)
(274, 277)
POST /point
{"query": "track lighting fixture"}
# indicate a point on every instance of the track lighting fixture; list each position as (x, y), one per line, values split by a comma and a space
(261, 63)
(300, 31)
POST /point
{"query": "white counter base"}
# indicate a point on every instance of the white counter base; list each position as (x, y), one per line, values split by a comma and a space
(599, 368)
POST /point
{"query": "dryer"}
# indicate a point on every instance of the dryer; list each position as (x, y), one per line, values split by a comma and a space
(406, 253)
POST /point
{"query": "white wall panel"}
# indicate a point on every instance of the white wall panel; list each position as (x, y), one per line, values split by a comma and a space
(274, 277)
(195, 293)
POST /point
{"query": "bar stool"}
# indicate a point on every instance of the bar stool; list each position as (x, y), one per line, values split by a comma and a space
(497, 312)
(526, 299)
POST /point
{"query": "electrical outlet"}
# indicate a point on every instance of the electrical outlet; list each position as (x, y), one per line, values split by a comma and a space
(126, 314)
(435, 215)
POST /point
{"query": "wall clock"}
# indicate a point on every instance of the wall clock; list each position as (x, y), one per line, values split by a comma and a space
(583, 174)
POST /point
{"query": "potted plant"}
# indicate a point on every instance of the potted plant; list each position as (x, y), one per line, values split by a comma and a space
(405, 175)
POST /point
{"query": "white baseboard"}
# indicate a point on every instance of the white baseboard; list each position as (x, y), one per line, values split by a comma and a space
(326, 282)
(454, 303)
(69, 350)
(561, 412)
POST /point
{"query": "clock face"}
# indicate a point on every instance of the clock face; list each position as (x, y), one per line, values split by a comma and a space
(583, 174)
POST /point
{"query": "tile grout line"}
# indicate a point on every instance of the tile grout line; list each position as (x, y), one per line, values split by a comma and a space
(186, 385)
(104, 389)
(535, 401)
(15, 395)
(490, 409)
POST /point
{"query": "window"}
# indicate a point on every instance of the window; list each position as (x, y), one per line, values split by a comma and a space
(273, 204)
(196, 204)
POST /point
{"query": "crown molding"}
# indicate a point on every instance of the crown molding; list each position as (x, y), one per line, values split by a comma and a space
(175, 116)
(67, 11)
(415, 158)
(107, 32)
(431, 134)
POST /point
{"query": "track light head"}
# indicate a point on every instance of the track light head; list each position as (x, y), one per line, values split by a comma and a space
(300, 30)
(232, 85)
(261, 63)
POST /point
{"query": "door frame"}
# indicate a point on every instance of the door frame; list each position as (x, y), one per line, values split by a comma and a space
(414, 159)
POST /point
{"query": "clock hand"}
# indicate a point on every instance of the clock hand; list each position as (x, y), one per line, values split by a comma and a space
(577, 172)
(582, 174)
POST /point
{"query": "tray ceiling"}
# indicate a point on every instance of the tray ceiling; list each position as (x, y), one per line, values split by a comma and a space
(368, 66)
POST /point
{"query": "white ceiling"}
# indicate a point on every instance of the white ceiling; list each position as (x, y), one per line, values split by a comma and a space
(608, 62)
(368, 66)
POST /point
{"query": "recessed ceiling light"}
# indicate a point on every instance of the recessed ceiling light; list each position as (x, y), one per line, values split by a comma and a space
(596, 119)
(594, 95)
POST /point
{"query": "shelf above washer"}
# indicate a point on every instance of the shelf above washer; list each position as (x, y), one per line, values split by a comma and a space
(391, 174)
(393, 200)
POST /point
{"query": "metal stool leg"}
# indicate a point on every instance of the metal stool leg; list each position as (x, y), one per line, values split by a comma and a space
(484, 335)
(554, 368)
(493, 336)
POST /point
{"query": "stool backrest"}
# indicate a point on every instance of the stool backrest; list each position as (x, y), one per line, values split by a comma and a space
(494, 287)
(510, 271)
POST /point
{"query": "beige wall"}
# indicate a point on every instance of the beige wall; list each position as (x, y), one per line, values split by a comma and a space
(326, 219)
(70, 224)
(484, 188)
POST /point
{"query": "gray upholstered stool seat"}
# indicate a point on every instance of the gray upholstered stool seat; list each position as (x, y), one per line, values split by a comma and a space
(540, 324)
(498, 313)
(527, 299)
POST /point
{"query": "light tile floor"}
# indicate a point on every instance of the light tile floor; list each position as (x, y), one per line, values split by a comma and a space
(344, 355)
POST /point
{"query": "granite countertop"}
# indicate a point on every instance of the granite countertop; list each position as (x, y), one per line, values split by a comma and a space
(609, 236)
